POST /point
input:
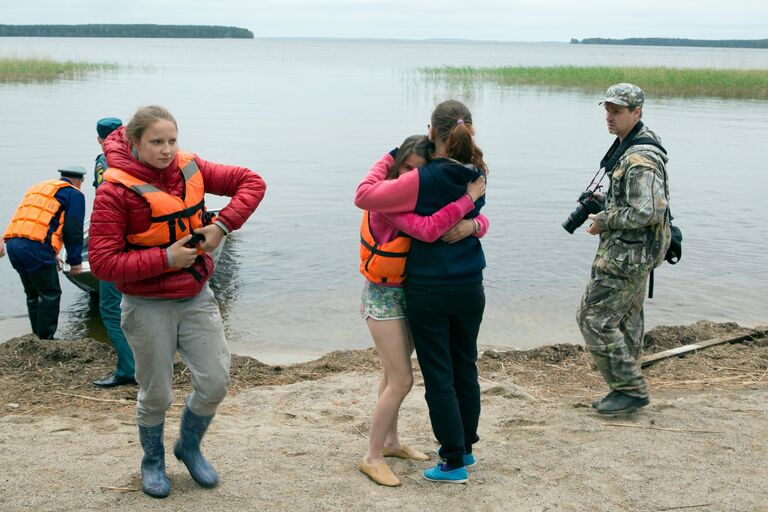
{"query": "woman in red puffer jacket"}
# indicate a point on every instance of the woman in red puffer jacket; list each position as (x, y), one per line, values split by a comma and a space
(140, 238)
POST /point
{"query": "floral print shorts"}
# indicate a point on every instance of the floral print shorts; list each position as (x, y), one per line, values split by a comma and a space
(382, 302)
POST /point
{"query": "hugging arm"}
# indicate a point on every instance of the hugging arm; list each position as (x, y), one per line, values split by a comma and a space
(476, 227)
(432, 227)
(377, 194)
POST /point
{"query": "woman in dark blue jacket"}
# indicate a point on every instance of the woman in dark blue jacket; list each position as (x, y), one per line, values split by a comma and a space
(444, 288)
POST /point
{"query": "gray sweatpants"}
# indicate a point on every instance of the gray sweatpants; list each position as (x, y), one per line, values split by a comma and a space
(155, 329)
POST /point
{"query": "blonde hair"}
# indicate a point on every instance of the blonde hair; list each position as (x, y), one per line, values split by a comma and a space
(144, 118)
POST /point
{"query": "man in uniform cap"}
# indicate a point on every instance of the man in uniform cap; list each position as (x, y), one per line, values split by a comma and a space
(104, 127)
(50, 215)
(73, 172)
(109, 295)
(634, 236)
(107, 125)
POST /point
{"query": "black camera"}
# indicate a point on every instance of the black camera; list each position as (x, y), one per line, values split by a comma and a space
(588, 203)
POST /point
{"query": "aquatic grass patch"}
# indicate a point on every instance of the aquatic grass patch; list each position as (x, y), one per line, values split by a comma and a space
(19, 70)
(656, 81)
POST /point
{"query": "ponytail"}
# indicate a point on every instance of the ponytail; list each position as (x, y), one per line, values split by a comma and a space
(453, 123)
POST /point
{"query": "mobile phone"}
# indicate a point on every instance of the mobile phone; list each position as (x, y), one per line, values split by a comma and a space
(196, 239)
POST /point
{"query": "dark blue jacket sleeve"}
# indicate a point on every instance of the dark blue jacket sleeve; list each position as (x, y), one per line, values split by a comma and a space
(73, 203)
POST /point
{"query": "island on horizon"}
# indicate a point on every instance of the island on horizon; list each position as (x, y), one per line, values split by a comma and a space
(671, 41)
(127, 30)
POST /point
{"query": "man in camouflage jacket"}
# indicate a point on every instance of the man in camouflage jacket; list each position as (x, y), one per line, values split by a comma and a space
(634, 237)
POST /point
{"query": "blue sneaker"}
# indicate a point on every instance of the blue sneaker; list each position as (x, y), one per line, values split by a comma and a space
(442, 475)
(469, 459)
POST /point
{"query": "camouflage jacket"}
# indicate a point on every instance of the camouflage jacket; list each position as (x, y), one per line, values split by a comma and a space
(635, 222)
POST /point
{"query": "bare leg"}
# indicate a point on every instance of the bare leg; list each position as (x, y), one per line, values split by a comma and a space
(392, 343)
(392, 442)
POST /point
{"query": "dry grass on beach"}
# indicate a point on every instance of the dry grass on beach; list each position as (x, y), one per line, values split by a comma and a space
(47, 375)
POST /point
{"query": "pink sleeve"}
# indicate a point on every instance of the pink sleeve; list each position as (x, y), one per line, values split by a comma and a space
(430, 228)
(484, 224)
(387, 196)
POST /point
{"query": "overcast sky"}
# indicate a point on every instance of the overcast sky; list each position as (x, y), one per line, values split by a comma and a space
(507, 20)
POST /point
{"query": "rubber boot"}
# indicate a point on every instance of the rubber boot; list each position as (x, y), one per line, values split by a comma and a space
(153, 478)
(32, 313)
(46, 282)
(187, 448)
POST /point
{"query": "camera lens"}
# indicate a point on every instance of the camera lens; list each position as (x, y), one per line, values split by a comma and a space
(576, 219)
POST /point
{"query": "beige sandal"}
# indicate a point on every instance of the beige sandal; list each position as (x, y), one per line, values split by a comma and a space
(379, 473)
(406, 452)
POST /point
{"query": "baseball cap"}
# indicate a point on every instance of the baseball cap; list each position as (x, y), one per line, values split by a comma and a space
(626, 95)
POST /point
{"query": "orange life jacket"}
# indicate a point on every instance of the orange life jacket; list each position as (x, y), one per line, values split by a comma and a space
(33, 217)
(382, 263)
(172, 217)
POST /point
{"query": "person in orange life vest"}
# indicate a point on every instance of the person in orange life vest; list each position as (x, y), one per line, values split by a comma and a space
(444, 290)
(109, 295)
(385, 241)
(50, 216)
(145, 212)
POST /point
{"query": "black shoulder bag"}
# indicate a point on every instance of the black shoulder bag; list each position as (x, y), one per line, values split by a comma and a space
(675, 251)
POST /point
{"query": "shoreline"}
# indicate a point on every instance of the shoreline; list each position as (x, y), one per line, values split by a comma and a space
(65, 368)
(292, 357)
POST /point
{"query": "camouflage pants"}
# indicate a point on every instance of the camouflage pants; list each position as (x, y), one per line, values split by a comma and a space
(610, 317)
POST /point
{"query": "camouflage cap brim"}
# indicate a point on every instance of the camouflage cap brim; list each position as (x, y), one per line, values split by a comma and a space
(625, 95)
(615, 100)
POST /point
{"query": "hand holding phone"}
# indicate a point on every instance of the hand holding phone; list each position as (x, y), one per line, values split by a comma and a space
(196, 238)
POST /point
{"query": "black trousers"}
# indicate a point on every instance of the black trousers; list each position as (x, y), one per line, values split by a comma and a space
(444, 322)
(43, 297)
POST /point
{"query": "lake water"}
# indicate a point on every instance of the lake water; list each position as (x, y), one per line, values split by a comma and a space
(311, 116)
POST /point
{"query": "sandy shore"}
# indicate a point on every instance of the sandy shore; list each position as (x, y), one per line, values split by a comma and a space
(289, 438)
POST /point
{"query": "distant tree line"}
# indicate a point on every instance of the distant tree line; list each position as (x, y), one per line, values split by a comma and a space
(160, 31)
(667, 41)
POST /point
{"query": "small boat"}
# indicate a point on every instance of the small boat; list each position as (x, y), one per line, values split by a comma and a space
(87, 282)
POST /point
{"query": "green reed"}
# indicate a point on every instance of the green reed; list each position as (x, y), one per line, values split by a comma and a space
(18, 70)
(656, 81)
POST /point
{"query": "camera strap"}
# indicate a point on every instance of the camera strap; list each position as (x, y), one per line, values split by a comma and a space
(618, 148)
(613, 155)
